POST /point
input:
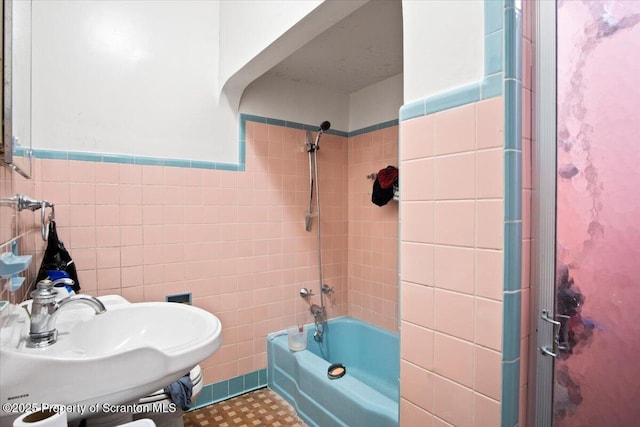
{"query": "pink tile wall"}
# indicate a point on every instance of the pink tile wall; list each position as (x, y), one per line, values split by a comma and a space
(235, 240)
(373, 232)
(528, 65)
(451, 266)
(7, 213)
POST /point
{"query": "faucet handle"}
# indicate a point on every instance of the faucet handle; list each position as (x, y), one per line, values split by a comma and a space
(304, 293)
(44, 284)
(326, 289)
(44, 289)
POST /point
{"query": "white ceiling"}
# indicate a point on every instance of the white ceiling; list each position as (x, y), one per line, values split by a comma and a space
(362, 49)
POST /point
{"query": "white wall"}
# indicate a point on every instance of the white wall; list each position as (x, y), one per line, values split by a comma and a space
(257, 35)
(375, 104)
(278, 98)
(443, 45)
(145, 78)
(250, 26)
(137, 78)
(274, 97)
(443, 49)
(20, 76)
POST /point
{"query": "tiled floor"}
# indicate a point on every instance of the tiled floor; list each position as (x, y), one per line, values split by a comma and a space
(257, 408)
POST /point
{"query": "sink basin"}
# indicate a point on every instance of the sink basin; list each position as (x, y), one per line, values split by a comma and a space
(113, 358)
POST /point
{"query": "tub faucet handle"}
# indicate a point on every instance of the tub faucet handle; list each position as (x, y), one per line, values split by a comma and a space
(326, 289)
(304, 293)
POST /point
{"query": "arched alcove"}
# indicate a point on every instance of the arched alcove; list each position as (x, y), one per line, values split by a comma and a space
(351, 71)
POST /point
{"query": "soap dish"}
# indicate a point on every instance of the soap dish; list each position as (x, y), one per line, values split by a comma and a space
(335, 371)
(11, 264)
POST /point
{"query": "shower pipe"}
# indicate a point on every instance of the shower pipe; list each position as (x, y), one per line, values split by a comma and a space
(319, 312)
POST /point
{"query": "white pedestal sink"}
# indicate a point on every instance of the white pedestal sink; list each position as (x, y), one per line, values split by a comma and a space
(98, 361)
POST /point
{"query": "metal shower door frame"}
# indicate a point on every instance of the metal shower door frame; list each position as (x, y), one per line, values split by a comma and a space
(543, 250)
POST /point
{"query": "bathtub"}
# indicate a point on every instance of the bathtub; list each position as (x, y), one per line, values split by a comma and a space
(367, 395)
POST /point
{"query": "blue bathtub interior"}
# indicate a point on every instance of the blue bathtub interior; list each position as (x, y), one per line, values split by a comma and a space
(366, 396)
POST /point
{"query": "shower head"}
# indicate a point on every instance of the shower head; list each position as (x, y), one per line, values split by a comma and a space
(325, 126)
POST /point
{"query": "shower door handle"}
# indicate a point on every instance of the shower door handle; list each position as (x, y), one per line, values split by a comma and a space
(553, 351)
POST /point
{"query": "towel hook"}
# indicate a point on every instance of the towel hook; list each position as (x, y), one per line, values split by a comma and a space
(44, 226)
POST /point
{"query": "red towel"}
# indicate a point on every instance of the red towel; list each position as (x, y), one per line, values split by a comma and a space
(387, 176)
(383, 186)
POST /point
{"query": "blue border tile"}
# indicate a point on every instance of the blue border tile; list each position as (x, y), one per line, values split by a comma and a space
(226, 167)
(242, 129)
(491, 86)
(512, 266)
(512, 114)
(177, 163)
(225, 389)
(493, 13)
(205, 397)
(513, 44)
(294, 125)
(340, 133)
(200, 164)
(242, 154)
(413, 110)
(20, 151)
(373, 128)
(117, 158)
(512, 309)
(356, 132)
(457, 97)
(510, 393)
(512, 186)
(493, 53)
(253, 118)
(149, 161)
(220, 390)
(368, 129)
(86, 157)
(50, 154)
(276, 122)
(263, 376)
(513, 4)
(236, 385)
(389, 124)
(314, 128)
(251, 380)
(511, 331)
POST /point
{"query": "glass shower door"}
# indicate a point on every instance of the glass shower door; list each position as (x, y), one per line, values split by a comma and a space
(597, 295)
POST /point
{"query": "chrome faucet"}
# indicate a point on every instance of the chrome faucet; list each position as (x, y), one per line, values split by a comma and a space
(45, 310)
(326, 289)
(319, 318)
